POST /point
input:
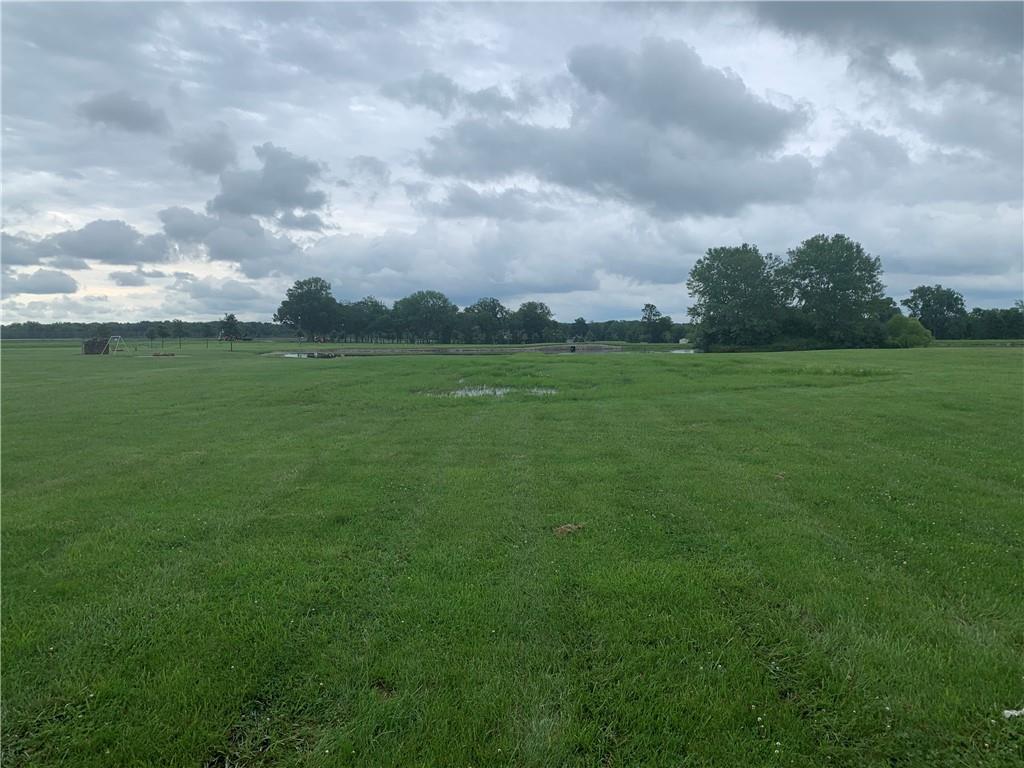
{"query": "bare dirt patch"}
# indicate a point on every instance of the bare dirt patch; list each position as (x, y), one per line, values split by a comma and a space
(568, 529)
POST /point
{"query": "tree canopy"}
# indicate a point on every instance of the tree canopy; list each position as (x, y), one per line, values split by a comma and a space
(366, 319)
(309, 307)
(426, 316)
(739, 296)
(827, 293)
(229, 327)
(532, 321)
(836, 286)
(657, 327)
(487, 321)
(940, 310)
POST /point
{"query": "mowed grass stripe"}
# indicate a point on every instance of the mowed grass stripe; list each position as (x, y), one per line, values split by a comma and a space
(248, 560)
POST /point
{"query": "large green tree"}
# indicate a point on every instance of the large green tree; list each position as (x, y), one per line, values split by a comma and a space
(940, 310)
(836, 286)
(179, 331)
(737, 294)
(486, 321)
(532, 321)
(426, 316)
(309, 307)
(230, 329)
(657, 327)
(368, 318)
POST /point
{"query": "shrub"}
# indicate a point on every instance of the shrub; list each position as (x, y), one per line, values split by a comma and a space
(907, 332)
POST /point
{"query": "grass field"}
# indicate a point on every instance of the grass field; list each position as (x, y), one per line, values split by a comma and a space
(978, 342)
(793, 559)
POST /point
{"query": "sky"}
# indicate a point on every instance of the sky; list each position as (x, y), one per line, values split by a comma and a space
(188, 160)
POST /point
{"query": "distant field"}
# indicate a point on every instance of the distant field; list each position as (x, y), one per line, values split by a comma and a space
(790, 559)
(979, 342)
(143, 346)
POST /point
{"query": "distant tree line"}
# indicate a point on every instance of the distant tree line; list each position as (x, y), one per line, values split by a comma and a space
(941, 311)
(151, 329)
(827, 292)
(424, 317)
(310, 310)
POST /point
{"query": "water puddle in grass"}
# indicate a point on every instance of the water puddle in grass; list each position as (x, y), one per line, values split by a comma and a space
(480, 392)
(495, 392)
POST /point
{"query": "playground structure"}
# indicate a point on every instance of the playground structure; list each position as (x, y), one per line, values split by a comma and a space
(104, 346)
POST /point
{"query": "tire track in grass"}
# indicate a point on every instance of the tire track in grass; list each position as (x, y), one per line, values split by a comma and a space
(344, 692)
(654, 669)
(479, 596)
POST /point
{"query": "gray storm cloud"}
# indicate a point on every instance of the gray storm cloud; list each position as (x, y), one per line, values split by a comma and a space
(610, 155)
(464, 202)
(122, 110)
(586, 153)
(42, 281)
(209, 153)
(186, 225)
(993, 26)
(112, 242)
(309, 222)
(284, 182)
(666, 133)
(106, 241)
(439, 93)
(667, 85)
(128, 279)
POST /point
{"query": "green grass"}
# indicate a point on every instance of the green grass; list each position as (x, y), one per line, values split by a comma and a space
(978, 342)
(793, 559)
